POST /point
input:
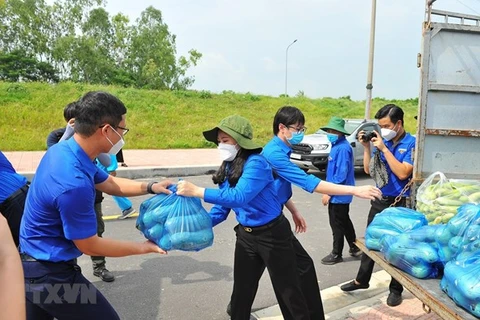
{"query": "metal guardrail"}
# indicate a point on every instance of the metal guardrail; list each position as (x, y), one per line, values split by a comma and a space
(462, 16)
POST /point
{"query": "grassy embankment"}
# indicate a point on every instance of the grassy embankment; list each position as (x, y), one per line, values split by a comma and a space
(163, 119)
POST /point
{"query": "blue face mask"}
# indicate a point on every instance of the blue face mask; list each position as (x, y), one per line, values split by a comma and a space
(296, 138)
(333, 138)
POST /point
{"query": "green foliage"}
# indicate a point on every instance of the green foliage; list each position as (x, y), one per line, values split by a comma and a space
(204, 94)
(16, 88)
(300, 94)
(345, 98)
(14, 92)
(184, 93)
(252, 97)
(17, 66)
(84, 43)
(162, 119)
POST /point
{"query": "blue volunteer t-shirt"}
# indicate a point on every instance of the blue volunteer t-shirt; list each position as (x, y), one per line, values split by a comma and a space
(253, 199)
(10, 181)
(403, 152)
(60, 204)
(286, 172)
(340, 168)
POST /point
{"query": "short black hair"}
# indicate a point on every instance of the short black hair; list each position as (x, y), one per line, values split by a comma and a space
(390, 110)
(97, 108)
(287, 115)
(70, 110)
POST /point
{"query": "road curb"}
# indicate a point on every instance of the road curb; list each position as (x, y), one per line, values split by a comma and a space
(337, 303)
(172, 171)
(152, 172)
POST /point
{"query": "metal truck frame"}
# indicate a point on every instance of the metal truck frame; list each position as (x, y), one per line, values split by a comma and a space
(448, 135)
(449, 105)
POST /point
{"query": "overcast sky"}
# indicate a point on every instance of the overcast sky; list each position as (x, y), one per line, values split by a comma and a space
(244, 42)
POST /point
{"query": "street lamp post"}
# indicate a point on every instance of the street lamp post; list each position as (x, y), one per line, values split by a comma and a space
(286, 65)
(368, 100)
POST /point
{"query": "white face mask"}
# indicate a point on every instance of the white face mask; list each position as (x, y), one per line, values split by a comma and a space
(389, 134)
(117, 146)
(228, 152)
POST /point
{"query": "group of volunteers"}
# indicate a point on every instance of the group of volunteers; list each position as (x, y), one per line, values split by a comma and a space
(53, 220)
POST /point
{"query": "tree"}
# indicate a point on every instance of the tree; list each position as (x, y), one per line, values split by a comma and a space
(92, 59)
(76, 53)
(78, 40)
(152, 58)
(18, 66)
(26, 25)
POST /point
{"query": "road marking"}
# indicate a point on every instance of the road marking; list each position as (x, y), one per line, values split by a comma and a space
(116, 217)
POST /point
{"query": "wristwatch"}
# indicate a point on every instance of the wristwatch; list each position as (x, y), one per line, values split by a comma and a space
(149, 187)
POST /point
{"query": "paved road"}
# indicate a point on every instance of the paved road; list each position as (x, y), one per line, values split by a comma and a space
(198, 285)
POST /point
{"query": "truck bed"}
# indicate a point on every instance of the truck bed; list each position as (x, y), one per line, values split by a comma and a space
(426, 290)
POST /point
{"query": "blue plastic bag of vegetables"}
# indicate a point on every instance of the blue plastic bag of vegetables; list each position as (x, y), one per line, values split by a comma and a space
(149, 216)
(174, 222)
(461, 234)
(392, 221)
(417, 258)
(461, 282)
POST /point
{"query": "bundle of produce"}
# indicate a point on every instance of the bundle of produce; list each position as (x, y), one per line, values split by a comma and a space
(460, 234)
(174, 222)
(424, 234)
(392, 221)
(148, 216)
(419, 259)
(439, 198)
(461, 282)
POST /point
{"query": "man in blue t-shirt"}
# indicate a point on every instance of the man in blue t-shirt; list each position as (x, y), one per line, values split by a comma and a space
(391, 167)
(59, 222)
(13, 192)
(340, 170)
(288, 129)
(99, 263)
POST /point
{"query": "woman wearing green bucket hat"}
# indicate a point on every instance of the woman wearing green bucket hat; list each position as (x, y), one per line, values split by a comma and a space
(264, 235)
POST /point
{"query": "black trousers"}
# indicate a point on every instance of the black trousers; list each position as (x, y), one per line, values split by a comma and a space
(342, 226)
(98, 262)
(119, 156)
(12, 210)
(290, 268)
(59, 290)
(366, 265)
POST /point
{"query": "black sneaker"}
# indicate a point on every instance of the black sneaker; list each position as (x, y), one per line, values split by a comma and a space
(104, 274)
(127, 213)
(332, 259)
(229, 309)
(394, 299)
(351, 286)
(354, 251)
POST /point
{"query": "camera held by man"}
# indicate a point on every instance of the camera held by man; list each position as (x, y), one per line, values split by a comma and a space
(366, 136)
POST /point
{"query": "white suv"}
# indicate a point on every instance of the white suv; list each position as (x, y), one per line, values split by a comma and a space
(313, 151)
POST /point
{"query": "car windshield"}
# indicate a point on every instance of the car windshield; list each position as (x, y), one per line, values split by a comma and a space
(349, 126)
